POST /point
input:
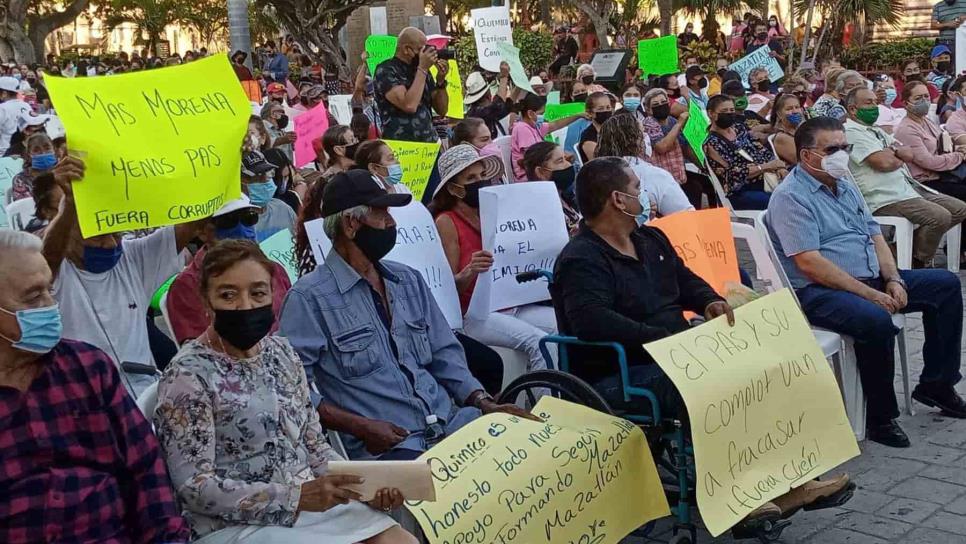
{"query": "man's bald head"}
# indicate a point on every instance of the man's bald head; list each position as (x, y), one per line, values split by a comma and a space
(410, 43)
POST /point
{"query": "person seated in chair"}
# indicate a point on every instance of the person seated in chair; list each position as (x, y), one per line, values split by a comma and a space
(619, 280)
(79, 462)
(847, 281)
(392, 374)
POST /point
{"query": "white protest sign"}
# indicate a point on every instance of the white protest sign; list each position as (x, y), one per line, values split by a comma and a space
(758, 57)
(417, 246)
(340, 106)
(378, 24)
(490, 27)
(960, 48)
(9, 167)
(523, 225)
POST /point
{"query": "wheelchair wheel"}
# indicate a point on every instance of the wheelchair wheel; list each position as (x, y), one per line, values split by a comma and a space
(555, 383)
(681, 538)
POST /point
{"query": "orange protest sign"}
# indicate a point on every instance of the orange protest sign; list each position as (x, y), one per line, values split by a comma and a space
(703, 240)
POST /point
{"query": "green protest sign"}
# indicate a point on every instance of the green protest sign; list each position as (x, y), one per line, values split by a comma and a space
(378, 49)
(658, 56)
(511, 55)
(559, 111)
(280, 248)
(696, 129)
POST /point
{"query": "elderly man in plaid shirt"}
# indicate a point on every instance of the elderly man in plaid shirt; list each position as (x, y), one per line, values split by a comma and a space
(78, 461)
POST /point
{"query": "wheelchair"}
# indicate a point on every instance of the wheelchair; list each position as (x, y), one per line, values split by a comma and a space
(667, 438)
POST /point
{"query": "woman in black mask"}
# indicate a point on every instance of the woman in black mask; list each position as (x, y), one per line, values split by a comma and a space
(236, 401)
(456, 205)
(546, 161)
(741, 163)
(599, 108)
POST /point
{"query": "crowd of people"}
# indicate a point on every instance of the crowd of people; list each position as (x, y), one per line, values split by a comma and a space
(255, 369)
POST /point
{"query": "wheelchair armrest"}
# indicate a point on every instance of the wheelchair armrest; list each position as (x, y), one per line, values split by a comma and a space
(629, 391)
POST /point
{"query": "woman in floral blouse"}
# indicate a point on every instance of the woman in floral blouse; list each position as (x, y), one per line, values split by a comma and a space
(242, 441)
(741, 163)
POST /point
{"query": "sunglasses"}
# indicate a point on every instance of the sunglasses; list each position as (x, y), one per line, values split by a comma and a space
(836, 148)
(227, 221)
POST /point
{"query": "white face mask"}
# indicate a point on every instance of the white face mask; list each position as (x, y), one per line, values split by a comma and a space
(836, 164)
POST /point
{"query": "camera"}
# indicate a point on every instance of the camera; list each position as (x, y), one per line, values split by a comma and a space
(445, 54)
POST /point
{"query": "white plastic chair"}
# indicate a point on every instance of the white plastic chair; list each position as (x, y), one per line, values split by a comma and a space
(837, 349)
(899, 320)
(771, 143)
(503, 142)
(723, 198)
(163, 303)
(20, 213)
(903, 238)
(147, 401)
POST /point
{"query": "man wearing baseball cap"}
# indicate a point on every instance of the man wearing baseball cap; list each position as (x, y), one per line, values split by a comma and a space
(942, 66)
(186, 310)
(276, 92)
(11, 109)
(392, 376)
(258, 182)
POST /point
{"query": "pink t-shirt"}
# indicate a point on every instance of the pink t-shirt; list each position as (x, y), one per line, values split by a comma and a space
(522, 136)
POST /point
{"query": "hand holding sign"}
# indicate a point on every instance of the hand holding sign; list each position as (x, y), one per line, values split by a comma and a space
(511, 55)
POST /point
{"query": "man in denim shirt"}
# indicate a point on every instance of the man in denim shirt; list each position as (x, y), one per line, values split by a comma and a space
(392, 375)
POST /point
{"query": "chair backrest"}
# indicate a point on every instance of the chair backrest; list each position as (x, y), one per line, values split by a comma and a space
(780, 277)
(503, 142)
(578, 162)
(767, 269)
(771, 143)
(20, 212)
(718, 189)
(163, 304)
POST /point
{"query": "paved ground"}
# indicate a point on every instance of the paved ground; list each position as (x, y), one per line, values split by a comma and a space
(915, 495)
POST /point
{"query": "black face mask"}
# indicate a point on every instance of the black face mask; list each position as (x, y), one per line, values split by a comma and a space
(950, 2)
(601, 117)
(763, 86)
(726, 120)
(472, 197)
(762, 36)
(244, 328)
(350, 150)
(661, 112)
(943, 66)
(703, 83)
(282, 121)
(721, 72)
(563, 179)
(375, 243)
(587, 80)
(580, 97)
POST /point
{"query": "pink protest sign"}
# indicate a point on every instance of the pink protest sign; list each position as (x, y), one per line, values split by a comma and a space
(309, 126)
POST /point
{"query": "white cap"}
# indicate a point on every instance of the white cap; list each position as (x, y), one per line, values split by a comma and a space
(30, 119)
(240, 203)
(10, 84)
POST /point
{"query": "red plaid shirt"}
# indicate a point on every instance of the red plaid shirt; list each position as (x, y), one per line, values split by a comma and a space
(78, 461)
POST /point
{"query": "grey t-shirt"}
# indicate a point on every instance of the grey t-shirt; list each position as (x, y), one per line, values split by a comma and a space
(277, 216)
(944, 13)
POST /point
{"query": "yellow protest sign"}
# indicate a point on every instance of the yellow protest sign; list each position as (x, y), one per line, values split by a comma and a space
(766, 414)
(454, 89)
(581, 476)
(161, 146)
(417, 160)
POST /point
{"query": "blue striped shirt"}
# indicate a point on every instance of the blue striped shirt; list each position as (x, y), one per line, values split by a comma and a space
(805, 215)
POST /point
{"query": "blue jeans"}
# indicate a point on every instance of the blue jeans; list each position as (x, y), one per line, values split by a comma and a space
(647, 376)
(750, 197)
(935, 293)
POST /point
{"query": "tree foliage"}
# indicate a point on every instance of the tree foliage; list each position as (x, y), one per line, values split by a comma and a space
(25, 25)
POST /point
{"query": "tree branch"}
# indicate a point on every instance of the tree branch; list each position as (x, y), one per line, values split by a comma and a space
(57, 19)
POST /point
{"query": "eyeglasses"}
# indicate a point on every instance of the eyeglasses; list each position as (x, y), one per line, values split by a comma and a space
(836, 148)
(227, 221)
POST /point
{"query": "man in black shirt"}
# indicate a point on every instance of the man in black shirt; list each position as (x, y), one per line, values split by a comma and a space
(405, 92)
(615, 281)
(619, 280)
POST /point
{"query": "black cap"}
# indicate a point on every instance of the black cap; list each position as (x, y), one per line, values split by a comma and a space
(254, 164)
(694, 71)
(733, 88)
(358, 188)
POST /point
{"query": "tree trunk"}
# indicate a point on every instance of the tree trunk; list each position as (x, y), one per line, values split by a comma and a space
(598, 19)
(666, 12)
(439, 6)
(808, 30)
(239, 30)
(38, 28)
(821, 36)
(15, 45)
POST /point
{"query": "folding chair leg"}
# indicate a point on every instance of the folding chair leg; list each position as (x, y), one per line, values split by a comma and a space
(904, 363)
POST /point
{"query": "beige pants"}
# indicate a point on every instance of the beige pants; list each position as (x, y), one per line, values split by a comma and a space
(934, 214)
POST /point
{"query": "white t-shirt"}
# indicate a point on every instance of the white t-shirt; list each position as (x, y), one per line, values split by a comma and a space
(664, 190)
(10, 112)
(117, 301)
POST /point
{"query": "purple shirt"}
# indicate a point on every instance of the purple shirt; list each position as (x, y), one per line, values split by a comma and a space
(78, 461)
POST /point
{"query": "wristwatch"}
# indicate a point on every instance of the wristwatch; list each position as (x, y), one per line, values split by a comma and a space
(479, 397)
(896, 279)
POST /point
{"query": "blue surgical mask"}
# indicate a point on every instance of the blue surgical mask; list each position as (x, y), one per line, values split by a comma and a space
(239, 232)
(395, 175)
(539, 121)
(40, 329)
(261, 193)
(631, 104)
(98, 260)
(43, 161)
(891, 96)
(645, 202)
(794, 118)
